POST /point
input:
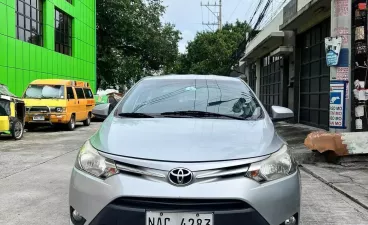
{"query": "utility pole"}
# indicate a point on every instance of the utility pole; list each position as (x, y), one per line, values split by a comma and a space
(216, 10)
(220, 15)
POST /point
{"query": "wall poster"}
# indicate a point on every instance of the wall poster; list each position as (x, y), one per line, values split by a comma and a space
(332, 47)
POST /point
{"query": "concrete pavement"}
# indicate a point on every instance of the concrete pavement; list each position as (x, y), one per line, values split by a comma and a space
(295, 134)
(349, 176)
(39, 147)
(36, 170)
(323, 205)
(350, 180)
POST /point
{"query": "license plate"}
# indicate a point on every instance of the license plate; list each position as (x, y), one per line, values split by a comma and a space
(180, 218)
(38, 118)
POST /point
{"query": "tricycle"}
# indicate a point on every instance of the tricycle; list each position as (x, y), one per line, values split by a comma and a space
(12, 113)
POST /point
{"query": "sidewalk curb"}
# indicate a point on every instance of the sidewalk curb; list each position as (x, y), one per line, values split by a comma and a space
(334, 187)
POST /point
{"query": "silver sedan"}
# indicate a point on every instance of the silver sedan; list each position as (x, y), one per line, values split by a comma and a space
(187, 150)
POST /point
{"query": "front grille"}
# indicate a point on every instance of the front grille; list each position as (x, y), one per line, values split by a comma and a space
(43, 109)
(132, 211)
(182, 204)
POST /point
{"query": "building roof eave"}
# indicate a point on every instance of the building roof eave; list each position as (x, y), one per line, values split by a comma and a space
(316, 9)
(272, 41)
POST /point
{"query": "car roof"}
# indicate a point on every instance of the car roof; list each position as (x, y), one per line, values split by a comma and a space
(192, 77)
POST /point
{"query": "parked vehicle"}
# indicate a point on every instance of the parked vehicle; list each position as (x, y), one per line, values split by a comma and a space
(105, 104)
(12, 114)
(58, 102)
(102, 96)
(187, 149)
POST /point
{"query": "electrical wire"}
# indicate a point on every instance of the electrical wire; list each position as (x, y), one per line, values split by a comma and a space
(244, 42)
(236, 7)
(261, 16)
(251, 7)
(273, 14)
(255, 11)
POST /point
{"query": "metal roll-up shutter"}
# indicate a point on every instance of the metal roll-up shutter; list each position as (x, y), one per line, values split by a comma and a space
(314, 77)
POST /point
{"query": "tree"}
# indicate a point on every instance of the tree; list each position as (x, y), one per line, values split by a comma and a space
(132, 41)
(210, 52)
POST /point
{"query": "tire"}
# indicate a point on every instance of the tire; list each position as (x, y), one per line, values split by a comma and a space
(87, 122)
(17, 129)
(71, 123)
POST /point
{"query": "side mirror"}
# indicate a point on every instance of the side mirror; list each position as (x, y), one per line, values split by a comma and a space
(281, 113)
(101, 111)
(68, 96)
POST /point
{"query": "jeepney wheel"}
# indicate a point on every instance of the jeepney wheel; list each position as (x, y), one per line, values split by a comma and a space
(17, 129)
(71, 123)
(87, 122)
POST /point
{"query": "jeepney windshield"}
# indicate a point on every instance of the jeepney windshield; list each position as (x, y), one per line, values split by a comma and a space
(45, 92)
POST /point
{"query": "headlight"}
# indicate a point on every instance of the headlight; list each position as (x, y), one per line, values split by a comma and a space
(92, 162)
(58, 109)
(278, 165)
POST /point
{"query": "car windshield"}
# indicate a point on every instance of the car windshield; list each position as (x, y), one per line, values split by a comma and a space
(45, 91)
(165, 96)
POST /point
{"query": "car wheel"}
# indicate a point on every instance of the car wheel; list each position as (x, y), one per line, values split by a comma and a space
(71, 123)
(17, 129)
(87, 122)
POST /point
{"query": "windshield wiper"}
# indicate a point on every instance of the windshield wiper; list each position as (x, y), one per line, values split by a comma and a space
(47, 97)
(30, 97)
(199, 114)
(135, 115)
(220, 102)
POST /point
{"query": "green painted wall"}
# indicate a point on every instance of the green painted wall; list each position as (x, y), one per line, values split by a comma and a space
(22, 62)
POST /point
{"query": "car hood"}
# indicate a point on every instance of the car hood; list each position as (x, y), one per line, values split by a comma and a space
(186, 139)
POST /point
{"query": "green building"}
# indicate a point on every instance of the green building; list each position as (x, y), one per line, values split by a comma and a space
(47, 39)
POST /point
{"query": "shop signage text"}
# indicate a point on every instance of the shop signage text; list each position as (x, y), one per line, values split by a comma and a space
(337, 104)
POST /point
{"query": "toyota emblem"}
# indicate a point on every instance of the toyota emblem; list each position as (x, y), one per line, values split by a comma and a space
(180, 176)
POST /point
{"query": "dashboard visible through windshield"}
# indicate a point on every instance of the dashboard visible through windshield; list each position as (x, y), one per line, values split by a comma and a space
(45, 92)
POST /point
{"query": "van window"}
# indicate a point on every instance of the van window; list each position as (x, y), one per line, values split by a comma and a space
(70, 92)
(88, 93)
(79, 92)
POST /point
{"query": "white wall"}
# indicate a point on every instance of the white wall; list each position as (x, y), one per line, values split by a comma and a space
(301, 4)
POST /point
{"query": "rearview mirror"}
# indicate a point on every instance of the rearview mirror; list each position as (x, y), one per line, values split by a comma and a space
(280, 113)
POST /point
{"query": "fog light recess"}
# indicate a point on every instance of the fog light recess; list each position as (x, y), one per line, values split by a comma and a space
(290, 221)
(76, 218)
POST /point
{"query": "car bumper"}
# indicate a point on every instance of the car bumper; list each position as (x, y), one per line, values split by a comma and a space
(49, 118)
(124, 199)
(98, 117)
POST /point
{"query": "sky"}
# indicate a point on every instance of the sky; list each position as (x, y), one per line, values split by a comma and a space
(187, 15)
